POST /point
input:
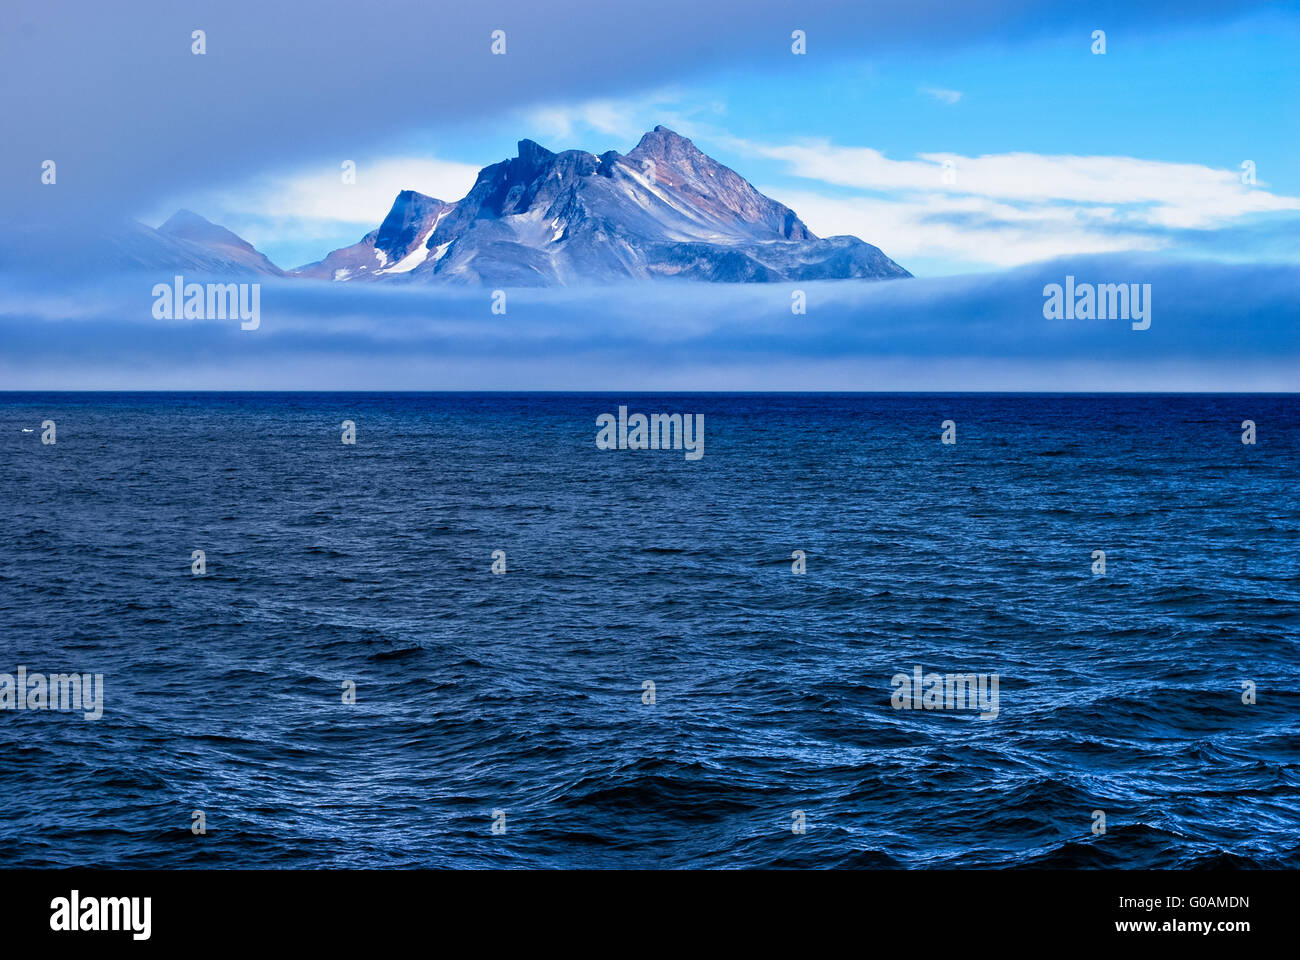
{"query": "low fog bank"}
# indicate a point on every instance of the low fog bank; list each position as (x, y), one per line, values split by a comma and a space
(1213, 326)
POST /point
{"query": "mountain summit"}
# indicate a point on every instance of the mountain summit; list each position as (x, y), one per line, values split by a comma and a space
(190, 227)
(665, 209)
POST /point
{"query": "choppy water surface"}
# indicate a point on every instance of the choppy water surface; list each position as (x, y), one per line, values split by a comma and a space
(523, 692)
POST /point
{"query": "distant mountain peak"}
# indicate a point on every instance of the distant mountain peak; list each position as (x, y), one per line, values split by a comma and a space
(190, 228)
(543, 218)
(407, 218)
(662, 140)
(188, 225)
(533, 154)
(183, 217)
(713, 187)
(395, 248)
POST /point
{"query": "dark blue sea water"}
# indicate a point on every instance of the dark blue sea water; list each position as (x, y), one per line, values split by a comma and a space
(523, 692)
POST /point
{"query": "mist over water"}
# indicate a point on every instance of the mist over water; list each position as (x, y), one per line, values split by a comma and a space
(1213, 326)
(523, 692)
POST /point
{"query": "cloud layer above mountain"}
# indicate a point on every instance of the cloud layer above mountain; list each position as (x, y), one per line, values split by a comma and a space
(115, 94)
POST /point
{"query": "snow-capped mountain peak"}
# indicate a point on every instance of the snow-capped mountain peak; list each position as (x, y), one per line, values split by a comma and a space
(542, 218)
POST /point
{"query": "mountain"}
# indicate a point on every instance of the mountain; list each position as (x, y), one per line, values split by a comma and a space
(190, 228)
(549, 219)
(397, 247)
(186, 244)
(538, 219)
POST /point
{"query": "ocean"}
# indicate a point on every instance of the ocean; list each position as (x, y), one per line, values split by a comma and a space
(341, 680)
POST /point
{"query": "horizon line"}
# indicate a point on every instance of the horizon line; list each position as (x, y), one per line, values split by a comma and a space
(1010, 393)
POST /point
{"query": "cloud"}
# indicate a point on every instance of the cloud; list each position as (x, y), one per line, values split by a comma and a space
(943, 96)
(968, 230)
(114, 94)
(293, 210)
(1012, 208)
(1181, 194)
(321, 194)
(619, 119)
(1214, 326)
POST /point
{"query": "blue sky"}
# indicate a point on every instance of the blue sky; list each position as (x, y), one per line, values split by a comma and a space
(852, 134)
(983, 146)
(855, 143)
